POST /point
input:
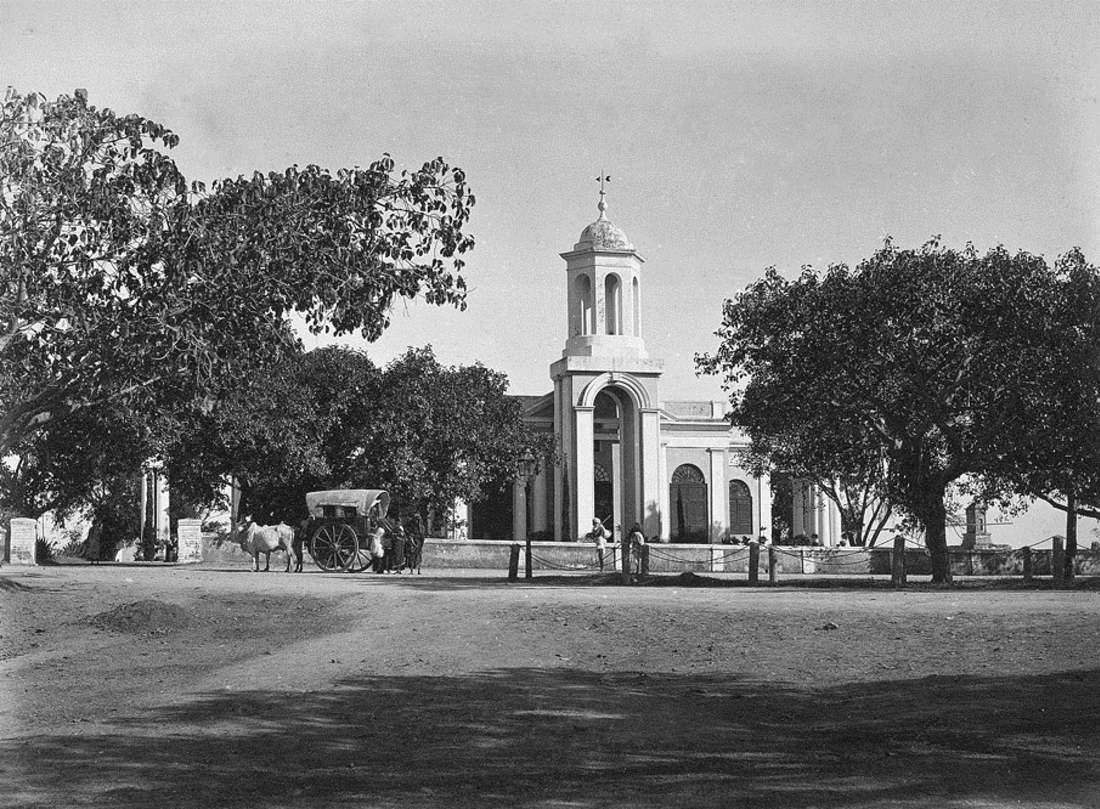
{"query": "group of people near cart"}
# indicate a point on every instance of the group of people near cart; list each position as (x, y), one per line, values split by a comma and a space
(394, 547)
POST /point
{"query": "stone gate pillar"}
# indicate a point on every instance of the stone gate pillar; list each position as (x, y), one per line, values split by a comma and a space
(189, 541)
(20, 550)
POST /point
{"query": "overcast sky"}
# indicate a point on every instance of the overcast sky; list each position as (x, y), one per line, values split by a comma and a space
(738, 135)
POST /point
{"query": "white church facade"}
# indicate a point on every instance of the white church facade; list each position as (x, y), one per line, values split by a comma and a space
(627, 451)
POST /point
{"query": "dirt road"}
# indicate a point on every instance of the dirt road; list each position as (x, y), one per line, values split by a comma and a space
(202, 687)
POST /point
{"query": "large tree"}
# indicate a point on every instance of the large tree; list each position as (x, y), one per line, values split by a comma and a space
(1059, 461)
(123, 286)
(426, 432)
(941, 361)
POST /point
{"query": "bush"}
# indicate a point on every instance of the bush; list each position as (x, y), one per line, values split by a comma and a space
(43, 552)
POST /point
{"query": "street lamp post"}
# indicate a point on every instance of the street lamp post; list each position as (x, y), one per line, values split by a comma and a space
(527, 466)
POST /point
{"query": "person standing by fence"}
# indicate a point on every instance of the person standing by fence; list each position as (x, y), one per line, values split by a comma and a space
(599, 535)
(637, 543)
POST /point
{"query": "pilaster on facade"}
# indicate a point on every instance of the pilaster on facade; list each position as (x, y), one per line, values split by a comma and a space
(718, 523)
(584, 470)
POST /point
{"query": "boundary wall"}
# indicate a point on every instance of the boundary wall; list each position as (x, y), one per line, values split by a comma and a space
(677, 558)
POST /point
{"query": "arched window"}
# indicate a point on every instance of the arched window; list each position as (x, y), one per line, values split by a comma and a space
(613, 304)
(740, 509)
(688, 503)
(580, 319)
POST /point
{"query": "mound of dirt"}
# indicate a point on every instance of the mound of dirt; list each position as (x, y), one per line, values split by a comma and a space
(143, 617)
(685, 579)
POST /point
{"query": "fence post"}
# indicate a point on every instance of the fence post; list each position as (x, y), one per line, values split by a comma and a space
(645, 561)
(897, 563)
(773, 565)
(754, 562)
(625, 572)
(1058, 562)
(527, 568)
(513, 563)
(1029, 571)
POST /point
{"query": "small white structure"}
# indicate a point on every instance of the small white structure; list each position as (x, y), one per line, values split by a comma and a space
(21, 538)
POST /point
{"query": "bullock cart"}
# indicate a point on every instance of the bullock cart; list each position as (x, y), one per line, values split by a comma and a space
(340, 526)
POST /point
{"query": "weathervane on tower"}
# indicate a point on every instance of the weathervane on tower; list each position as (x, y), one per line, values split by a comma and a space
(603, 205)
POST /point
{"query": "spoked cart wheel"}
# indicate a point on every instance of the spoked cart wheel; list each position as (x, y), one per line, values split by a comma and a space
(361, 559)
(334, 546)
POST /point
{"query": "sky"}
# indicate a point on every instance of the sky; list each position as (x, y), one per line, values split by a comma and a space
(738, 135)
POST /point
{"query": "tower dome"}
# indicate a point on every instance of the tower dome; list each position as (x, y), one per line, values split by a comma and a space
(602, 235)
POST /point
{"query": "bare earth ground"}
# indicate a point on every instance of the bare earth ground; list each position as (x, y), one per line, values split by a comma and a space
(211, 687)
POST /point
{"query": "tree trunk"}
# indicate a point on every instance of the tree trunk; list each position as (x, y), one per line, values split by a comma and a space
(933, 517)
(1071, 535)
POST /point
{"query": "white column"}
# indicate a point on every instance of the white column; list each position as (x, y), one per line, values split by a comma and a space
(144, 504)
(764, 505)
(654, 510)
(834, 524)
(719, 523)
(618, 488)
(519, 511)
(813, 510)
(163, 521)
(584, 473)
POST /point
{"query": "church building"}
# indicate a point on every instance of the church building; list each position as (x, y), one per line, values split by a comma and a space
(626, 453)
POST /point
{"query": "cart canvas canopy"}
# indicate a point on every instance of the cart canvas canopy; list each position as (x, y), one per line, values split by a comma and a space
(362, 500)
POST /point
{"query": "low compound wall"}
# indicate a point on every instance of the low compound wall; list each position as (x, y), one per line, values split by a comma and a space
(677, 558)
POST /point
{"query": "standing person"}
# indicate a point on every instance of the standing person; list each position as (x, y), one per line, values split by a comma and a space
(599, 535)
(414, 546)
(397, 559)
(637, 543)
(376, 550)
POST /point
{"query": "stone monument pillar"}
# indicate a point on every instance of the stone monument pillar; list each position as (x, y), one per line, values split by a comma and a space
(189, 536)
(976, 536)
(20, 549)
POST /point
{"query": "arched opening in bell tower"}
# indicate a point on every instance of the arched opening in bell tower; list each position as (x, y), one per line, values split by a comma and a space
(616, 457)
(580, 317)
(613, 301)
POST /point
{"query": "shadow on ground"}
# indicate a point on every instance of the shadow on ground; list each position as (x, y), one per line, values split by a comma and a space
(569, 737)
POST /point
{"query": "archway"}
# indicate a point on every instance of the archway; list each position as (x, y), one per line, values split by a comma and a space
(688, 503)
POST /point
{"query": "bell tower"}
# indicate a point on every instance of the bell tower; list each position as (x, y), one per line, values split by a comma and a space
(603, 272)
(606, 415)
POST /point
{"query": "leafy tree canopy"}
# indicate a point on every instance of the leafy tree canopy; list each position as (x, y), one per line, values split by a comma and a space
(938, 363)
(428, 433)
(125, 286)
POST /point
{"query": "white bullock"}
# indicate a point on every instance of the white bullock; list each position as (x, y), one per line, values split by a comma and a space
(256, 539)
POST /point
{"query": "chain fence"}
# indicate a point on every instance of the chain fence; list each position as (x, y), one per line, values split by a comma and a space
(772, 560)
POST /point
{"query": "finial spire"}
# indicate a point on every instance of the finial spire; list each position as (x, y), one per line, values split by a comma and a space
(603, 205)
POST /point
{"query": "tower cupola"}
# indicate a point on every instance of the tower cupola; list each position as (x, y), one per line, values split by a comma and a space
(603, 271)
